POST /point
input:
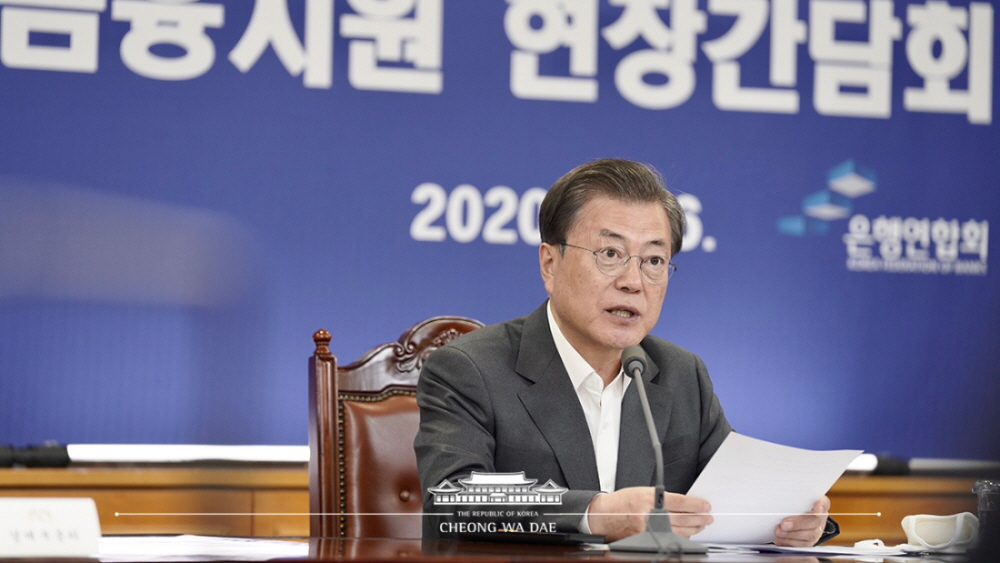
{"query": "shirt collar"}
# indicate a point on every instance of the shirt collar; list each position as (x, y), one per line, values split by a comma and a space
(577, 367)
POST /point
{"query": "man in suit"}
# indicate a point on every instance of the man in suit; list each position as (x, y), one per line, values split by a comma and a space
(545, 394)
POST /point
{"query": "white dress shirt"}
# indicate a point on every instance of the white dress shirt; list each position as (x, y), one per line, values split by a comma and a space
(602, 405)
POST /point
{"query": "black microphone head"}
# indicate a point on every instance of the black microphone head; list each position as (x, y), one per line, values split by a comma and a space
(634, 358)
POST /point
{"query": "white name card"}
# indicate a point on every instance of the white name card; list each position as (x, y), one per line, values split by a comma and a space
(49, 527)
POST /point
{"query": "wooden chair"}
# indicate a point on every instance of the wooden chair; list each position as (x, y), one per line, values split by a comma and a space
(362, 420)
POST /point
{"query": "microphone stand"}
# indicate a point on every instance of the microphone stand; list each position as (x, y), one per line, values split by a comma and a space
(659, 536)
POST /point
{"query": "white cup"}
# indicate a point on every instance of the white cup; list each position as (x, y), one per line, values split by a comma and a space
(957, 532)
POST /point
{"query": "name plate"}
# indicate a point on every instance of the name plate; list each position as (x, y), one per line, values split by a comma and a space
(49, 527)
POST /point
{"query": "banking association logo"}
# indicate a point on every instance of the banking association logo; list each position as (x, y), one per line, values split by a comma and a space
(887, 243)
(497, 488)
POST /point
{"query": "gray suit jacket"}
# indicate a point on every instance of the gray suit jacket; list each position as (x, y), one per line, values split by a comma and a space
(499, 400)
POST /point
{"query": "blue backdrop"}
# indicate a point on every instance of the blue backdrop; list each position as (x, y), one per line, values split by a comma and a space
(189, 189)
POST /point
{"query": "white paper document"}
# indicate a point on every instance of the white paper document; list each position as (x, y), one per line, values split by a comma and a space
(824, 550)
(752, 485)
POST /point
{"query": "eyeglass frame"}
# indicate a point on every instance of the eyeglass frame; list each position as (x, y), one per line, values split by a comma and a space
(671, 267)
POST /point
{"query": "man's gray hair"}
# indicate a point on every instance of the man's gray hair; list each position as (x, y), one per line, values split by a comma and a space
(619, 179)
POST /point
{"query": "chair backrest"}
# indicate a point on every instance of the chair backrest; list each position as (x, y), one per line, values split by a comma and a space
(363, 418)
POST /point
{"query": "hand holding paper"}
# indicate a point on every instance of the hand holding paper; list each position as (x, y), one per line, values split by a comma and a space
(804, 530)
(752, 485)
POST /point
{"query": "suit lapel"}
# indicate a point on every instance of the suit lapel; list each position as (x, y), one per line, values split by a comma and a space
(636, 465)
(553, 405)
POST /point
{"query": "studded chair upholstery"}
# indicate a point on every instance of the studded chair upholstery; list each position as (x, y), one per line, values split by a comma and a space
(362, 420)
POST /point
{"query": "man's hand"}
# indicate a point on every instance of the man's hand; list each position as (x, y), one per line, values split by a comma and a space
(803, 530)
(623, 513)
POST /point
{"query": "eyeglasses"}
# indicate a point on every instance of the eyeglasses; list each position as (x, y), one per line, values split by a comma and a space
(611, 261)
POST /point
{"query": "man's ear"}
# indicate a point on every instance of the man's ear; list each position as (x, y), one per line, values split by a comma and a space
(548, 260)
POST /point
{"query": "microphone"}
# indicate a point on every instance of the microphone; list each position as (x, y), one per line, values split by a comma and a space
(45, 455)
(634, 361)
(659, 536)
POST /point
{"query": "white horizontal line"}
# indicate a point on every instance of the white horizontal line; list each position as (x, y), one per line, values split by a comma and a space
(783, 514)
(879, 514)
(119, 514)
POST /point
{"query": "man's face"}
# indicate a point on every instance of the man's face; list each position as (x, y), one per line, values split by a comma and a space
(600, 314)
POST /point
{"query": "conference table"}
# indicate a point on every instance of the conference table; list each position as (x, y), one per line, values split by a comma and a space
(180, 548)
(253, 512)
(272, 500)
